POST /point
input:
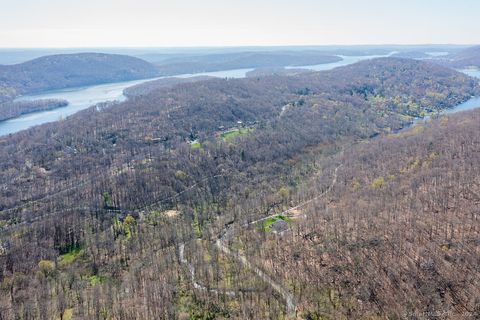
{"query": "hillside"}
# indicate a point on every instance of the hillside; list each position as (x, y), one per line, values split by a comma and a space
(411, 55)
(133, 211)
(228, 61)
(469, 57)
(149, 86)
(70, 70)
(263, 72)
(9, 110)
(392, 235)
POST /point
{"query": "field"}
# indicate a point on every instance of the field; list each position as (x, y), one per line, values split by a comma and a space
(229, 135)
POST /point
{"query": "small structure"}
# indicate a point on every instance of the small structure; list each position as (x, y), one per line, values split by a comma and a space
(279, 226)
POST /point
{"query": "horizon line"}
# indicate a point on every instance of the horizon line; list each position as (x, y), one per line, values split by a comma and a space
(243, 46)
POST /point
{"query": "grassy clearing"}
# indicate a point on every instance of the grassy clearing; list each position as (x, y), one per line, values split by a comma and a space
(228, 135)
(267, 223)
(286, 219)
(195, 145)
(70, 256)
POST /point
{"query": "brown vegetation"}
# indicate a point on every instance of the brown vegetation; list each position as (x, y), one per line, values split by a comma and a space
(83, 202)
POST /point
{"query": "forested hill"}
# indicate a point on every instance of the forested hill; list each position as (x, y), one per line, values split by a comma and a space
(239, 60)
(149, 86)
(469, 57)
(70, 70)
(95, 210)
(391, 236)
(409, 86)
(360, 101)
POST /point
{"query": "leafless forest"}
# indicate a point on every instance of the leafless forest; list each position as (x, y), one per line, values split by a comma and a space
(304, 196)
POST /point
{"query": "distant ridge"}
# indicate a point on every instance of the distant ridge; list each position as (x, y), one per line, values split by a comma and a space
(469, 57)
(70, 70)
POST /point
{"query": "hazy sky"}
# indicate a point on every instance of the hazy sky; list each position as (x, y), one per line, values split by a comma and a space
(103, 23)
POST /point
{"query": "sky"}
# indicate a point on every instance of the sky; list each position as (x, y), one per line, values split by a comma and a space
(177, 23)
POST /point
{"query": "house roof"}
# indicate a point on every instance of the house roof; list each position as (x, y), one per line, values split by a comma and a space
(279, 226)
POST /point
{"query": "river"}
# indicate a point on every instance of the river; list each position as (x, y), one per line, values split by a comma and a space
(346, 61)
(83, 97)
(473, 72)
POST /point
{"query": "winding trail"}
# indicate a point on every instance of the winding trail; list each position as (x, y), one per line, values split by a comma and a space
(191, 271)
(286, 212)
(287, 296)
(219, 243)
(228, 233)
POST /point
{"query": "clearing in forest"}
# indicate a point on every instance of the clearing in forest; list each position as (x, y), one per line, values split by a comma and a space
(230, 134)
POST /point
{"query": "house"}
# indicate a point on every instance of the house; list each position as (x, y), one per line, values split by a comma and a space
(279, 226)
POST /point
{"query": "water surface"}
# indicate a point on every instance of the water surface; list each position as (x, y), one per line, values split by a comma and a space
(472, 72)
(236, 73)
(346, 61)
(78, 99)
(83, 97)
(471, 104)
